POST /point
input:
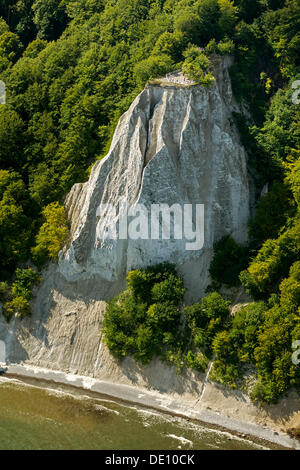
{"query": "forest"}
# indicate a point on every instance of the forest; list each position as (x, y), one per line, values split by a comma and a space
(72, 67)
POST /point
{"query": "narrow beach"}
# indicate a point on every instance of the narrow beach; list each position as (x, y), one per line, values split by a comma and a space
(154, 400)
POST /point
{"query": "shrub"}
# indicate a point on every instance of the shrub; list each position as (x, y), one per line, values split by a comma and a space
(206, 319)
(272, 264)
(197, 361)
(4, 290)
(19, 307)
(25, 280)
(52, 234)
(170, 290)
(143, 319)
(222, 48)
(211, 47)
(170, 44)
(153, 67)
(290, 289)
(262, 393)
(263, 337)
(228, 261)
(17, 297)
(272, 213)
(147, 320)
(245, 329)
(141, 282)
(196, 66)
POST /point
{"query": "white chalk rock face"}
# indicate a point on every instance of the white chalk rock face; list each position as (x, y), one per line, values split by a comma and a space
(175, 145)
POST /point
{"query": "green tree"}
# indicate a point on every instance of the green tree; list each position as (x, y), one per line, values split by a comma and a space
(229, 260)
(209, 14)
(144, 320)
(15, 230)
(272, 213)
(52, 234)
(10, 49)
(49, 18)
(187, 23)
(228, 15)
(197, 66)
(12, 139)
(3, 26)
(153, 67)
(18, 307)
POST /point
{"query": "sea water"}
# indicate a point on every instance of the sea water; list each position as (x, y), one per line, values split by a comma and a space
(34, 417)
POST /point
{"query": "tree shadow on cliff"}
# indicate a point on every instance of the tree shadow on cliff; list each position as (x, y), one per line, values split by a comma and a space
(229, 392)
(162, 377)
(11, 334)
(20, 332)
(94, 289)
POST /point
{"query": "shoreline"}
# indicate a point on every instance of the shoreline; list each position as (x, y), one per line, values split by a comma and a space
(154, 400)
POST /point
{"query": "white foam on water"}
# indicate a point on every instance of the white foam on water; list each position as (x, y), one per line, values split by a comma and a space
(182, 439)
(238, 438)
(150, 412)
(103, 408)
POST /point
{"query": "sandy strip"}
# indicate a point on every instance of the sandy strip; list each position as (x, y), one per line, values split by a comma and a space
(154, 400)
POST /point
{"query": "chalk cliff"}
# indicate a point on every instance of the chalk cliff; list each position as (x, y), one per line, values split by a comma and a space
(176, 144)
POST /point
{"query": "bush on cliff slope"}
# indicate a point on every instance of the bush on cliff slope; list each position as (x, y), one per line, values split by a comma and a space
(52, 234)
(147, 320)
(228, 261)
(197, 66)
(16, 297)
